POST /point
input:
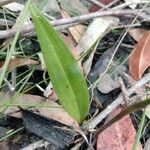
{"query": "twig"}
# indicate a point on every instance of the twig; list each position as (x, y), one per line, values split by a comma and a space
(124, 92)
(78, 19)
(93, 123)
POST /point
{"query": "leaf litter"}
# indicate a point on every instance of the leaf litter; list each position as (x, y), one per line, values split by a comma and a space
(92, 43)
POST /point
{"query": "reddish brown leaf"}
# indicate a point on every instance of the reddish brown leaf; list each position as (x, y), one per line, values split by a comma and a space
(140, 57)
(119, 136)
(18, 62)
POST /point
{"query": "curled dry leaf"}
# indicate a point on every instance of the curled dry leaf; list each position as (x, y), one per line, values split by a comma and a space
(140, 57)
(18, 62)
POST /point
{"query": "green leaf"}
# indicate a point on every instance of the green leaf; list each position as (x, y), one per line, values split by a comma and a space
(64, 72)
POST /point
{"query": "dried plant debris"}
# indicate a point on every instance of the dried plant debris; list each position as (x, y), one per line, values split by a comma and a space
(53, 131)
(108, 40)
(140, 57)
(119, 136)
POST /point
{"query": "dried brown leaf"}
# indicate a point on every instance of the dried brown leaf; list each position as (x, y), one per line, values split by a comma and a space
(47, 108)
(18, 62)
(57, 113)
(137, 33)
(140, 57)
(77, 30)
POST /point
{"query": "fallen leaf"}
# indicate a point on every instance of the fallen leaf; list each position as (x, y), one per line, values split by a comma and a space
(14, 7)
(47, 108)
(139, 59)
(96, 30)
(77, 30)
(24, 100)
(119, 136)
(56, 112)
(18, 62)
(137, 33)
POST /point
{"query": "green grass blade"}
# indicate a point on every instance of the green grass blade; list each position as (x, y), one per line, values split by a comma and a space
(12, 48)
(64, 72)
(138, 136)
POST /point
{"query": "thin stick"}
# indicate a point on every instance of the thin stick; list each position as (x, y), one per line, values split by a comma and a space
(124, 91)
(78, 19)
(93, 123)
